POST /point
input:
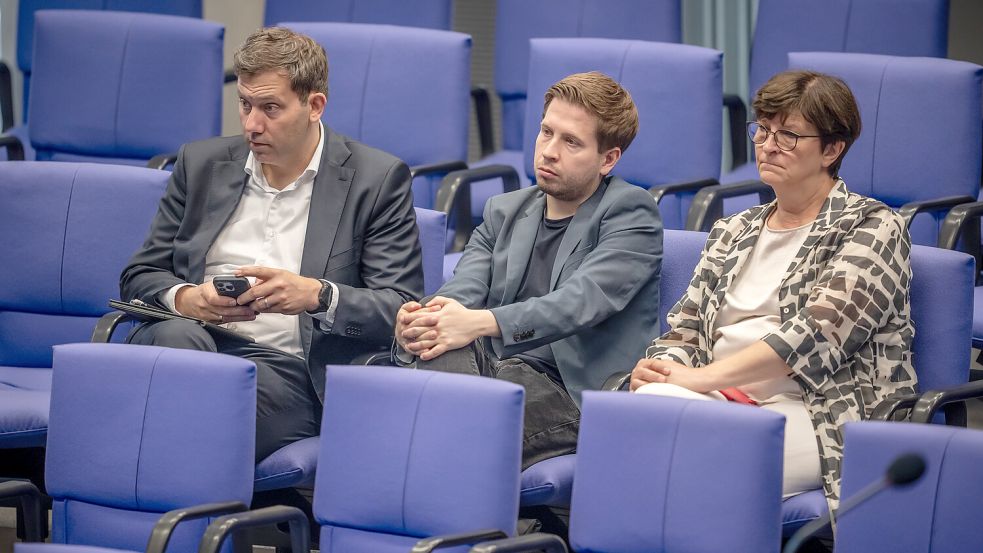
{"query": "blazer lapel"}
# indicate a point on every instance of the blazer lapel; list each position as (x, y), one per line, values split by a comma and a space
(575, 231)
(734, 260)
(331, 186)
(832, 207)
(224, 192)
(521, 245)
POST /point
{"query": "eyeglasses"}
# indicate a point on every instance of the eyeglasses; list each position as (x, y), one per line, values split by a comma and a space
(785, 140)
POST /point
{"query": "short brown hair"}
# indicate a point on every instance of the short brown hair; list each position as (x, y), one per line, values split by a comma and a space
(278, 49)
(605, 99)
(823, 100)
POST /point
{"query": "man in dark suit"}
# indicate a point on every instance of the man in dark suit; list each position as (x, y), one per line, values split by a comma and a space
(559, 286)
(322, 225)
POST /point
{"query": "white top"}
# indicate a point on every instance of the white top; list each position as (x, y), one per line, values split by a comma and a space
(268, 228)
(750, 308)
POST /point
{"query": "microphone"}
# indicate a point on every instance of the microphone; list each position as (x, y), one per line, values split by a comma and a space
(904, 470)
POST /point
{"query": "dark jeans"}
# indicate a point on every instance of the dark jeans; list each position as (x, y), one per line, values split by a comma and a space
(287, 408)
(551, 419)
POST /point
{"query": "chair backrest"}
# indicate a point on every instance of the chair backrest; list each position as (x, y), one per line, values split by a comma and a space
(407, 454)
(681, 252)
(517, 21)
(660, 474)
(942, 313)
(937, 513)
(25, 22)
(892, 27)
(921, 138)
(136, 431)
(432, 14)
(403, 90)
(433, 233)
(678, 92)
(76, 226)
(122, 87)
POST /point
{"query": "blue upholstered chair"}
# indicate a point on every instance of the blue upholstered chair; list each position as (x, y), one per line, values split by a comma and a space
(403, 90)
(406, 455)
(75, 227)
(141, 85)
(432, 14)
(920, 148)
(137, 431)
(659, 474)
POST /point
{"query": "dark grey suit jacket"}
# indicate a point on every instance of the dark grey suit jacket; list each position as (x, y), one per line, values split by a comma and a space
(604, 299)
(361, 235)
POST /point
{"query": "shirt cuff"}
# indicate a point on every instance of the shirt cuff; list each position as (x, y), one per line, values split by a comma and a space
(168, 298)
(325, 320)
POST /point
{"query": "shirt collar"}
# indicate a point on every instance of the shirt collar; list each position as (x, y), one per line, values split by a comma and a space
(254, 168)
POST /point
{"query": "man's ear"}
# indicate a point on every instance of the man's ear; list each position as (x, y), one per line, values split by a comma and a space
(317, 101)
(832, 151)
(611, 158)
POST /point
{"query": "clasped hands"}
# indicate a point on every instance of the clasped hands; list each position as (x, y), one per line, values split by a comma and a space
(442, 325)
(647, 371)
(275, 291)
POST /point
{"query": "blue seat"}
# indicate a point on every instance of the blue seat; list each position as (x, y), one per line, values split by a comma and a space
(124, 419)
(77, 224)
(423, 120)
(128, 104)
(659, 474)
(432, 14)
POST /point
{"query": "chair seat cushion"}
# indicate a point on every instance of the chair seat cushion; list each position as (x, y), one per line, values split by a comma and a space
(800, 509)
(290, 466)
(25, 379)
(977, 314)
(63, 548)
(23, 418)
(548, 482)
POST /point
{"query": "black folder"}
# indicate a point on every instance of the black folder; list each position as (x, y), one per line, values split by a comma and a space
(148, 313)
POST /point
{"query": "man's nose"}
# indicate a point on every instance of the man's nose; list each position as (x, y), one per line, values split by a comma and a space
(253, 122)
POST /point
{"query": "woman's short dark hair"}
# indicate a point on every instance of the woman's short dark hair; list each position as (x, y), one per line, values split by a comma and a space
(823, 100)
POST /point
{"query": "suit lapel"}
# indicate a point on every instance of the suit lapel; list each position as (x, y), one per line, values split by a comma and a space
(331, 186)
(575, 231)
(521, 246)
(734, 260)
(225, 188)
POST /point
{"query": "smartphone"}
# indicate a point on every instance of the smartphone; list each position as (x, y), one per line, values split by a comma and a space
(230, 286)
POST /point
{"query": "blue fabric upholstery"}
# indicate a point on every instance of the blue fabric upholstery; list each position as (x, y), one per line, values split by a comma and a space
(292, 466)
(433, 14)
(424, 119)
(411, 453)
(136, 431)
(127, 100)
(935, 514)
(548, 482)
(77, 225)
(433, 229)
(27, 547)
(661, 474)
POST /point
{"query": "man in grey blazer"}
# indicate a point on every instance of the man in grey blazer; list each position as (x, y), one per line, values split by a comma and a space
(322, 225)
(559, 286)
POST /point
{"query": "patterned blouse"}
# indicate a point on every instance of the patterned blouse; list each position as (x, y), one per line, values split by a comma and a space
(846, 326)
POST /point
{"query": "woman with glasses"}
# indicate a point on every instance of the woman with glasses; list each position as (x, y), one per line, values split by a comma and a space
(801, 305)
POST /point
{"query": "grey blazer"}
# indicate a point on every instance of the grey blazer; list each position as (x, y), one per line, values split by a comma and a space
(361, 235)
(604, 299)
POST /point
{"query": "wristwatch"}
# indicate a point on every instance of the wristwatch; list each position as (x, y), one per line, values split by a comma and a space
(323, 297)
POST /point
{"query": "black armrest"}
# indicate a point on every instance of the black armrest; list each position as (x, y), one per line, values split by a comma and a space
(30, 510)
(426, 545)
(483, 115)
(106, 325)
(162, 531)
(437, 168)
(617, 382)
(455, 195)
(539, 541)
(910, 209)
(658, 192)
(14, 147)
(885, 410)
(229, 77)
(223, 527)
(708, 204)
(374, 358)
(736, 122)
(6, 97)
(930, 402)
(161, 161)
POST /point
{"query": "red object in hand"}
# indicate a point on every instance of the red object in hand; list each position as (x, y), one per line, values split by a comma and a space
(737, 396)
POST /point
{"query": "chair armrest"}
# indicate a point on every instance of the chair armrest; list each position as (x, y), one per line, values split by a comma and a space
(955, 224)
(6, 97)
(437, 168)
(14, 147)
(229, 77)
(736, 119)
(374, 358)
(617, 382)
(482, 113)
(162, 531)
(106, 325)
(455, 195)
(161, 161)
(930, 402)
(539, 541)
(426, 545)
(708, 204)
(661, 190)
(30, 510)
(910, 209)
(885, 410)
(222, 527)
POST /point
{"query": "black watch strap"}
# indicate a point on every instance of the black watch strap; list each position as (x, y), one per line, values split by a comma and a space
(324, 297)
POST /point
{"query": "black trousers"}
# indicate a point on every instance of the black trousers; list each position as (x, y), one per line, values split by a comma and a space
(551, 418)
(287, 407)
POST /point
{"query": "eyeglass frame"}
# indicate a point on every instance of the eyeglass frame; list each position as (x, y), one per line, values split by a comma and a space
(768, 133)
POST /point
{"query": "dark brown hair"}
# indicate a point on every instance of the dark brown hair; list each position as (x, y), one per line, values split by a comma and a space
(302, 60)
(823, 100)
(605, 99)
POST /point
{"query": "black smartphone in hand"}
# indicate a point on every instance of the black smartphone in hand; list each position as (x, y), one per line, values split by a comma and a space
(230, 286)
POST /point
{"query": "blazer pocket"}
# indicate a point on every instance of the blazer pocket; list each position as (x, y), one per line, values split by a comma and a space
(345, 258)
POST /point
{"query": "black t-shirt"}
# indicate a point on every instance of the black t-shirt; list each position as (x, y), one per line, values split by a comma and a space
(536, 283)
